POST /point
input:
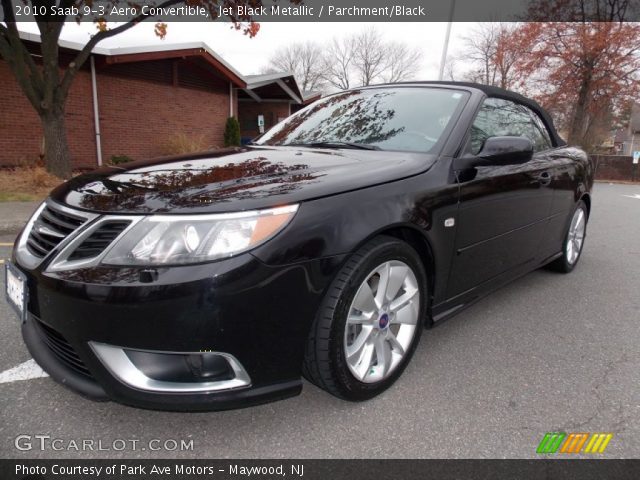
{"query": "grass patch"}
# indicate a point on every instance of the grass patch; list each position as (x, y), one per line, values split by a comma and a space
(26, 184)
(182, 143)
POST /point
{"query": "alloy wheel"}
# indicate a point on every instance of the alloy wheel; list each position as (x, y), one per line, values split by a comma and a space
(575, 237)
(382, 321)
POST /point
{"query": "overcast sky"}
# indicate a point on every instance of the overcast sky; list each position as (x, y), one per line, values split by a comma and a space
(249, 54)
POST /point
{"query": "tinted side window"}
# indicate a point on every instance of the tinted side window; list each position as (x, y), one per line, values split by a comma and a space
(498, 117)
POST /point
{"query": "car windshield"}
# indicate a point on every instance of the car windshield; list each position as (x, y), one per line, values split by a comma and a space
(401, 118)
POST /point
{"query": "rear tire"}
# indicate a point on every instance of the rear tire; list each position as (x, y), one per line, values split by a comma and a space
(357, 353)
(573, 241)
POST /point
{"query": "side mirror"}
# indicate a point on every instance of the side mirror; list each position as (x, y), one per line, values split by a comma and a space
(499, 151)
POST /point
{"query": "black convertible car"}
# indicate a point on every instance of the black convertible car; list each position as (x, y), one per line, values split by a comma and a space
(323, 249)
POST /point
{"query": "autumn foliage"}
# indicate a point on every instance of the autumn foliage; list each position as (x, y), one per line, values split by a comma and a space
(584, 67)
(47, 86)
(584, 73)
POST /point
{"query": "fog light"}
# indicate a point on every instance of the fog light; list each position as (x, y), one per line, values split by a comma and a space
(176, 367)
(175, 372)
(208, 365)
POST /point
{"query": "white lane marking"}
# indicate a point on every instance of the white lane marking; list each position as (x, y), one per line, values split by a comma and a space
(636, 196)
(25, 371)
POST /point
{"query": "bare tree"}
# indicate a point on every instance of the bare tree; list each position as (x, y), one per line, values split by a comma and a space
(304, 59)
(378, 60)
(403, 62)
(451, 70)
(493, 50)
(338, 62)
(371, 56)
(359, 59)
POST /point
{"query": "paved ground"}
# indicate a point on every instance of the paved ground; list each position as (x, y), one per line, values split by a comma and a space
(549, 352)
(13, 215)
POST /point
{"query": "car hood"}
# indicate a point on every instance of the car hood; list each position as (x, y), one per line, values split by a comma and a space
(235, 179)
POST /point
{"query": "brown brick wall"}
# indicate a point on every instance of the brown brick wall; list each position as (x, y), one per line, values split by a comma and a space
(20, 130)
(249, 111)
(616, 167)
(136, 117)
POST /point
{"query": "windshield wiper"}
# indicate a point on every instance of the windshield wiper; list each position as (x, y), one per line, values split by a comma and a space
(359, 146)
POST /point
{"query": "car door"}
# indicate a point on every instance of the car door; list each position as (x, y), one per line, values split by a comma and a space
(566, 171)
(502, 209)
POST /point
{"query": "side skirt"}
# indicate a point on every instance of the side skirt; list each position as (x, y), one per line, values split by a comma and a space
(451, 308)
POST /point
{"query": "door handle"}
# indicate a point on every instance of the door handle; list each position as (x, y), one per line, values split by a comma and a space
(544, 178)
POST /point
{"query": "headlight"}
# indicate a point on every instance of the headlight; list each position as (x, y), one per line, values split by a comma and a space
(176, 239)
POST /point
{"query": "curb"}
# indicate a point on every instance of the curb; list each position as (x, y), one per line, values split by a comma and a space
(14, 215)
(11, 228)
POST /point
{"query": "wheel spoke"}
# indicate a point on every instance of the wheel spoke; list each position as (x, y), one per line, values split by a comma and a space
(383, 354)
(406, 316)
(362, 318)
(364, 300)
(403, 300)
(395, 344)
(574, 222)
(579, 221)
(397, 277)
(381, 293)
(358, 344)
(363, 364)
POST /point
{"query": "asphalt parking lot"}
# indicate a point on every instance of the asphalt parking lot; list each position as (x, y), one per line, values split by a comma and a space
(549, 352)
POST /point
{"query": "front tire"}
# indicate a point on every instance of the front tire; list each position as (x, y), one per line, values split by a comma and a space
(369, 322)
(573, 240)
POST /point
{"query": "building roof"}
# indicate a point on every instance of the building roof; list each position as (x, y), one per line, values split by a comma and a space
(271, 86)
(310, 96)
(267, 77)
(156, 52)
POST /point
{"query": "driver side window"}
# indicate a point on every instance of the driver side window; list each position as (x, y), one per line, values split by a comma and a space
(498, 117)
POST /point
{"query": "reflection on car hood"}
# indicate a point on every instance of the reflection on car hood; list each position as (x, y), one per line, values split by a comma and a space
(235, 179)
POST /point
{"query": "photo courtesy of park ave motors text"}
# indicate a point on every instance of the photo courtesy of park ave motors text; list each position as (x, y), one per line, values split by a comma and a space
(234, 231)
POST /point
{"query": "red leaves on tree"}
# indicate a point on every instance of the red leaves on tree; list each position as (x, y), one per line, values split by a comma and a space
(583, 72)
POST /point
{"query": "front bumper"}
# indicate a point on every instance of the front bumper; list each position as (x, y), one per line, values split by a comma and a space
(259, 315)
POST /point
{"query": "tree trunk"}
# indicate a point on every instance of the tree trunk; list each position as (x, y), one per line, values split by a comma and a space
(56, 148)
(577, 128)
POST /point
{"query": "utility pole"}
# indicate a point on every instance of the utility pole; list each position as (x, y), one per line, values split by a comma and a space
(445, 47)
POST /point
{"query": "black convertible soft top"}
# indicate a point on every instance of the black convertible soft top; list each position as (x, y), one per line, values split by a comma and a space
(497, 92)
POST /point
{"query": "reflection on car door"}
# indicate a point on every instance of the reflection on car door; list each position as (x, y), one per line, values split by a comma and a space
(564, 179)
(503, 210)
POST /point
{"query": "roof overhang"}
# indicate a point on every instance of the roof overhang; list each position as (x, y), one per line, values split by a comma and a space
(272, 87)
(115, 55)
(200, 53)
(310, 97)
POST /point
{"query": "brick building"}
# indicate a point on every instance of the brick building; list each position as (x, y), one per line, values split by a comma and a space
(273, 97)
(627, 140)
(132, 101)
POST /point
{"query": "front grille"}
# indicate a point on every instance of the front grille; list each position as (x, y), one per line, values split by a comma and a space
(99, 240)
(61, 349)
(50, 228)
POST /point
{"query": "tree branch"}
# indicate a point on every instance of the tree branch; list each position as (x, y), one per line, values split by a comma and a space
(14, 51)
(83, 55)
